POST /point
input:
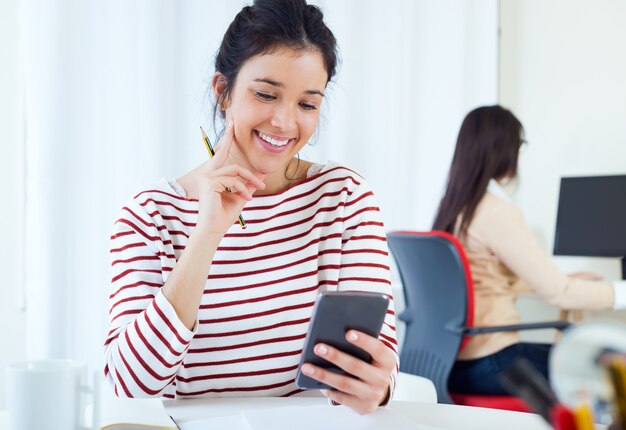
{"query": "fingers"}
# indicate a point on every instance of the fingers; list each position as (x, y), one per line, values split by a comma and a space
(589, 276)
(376, 373)
(225, 144)
(237, 180)
(343, 383)
(369, 383)
(245, 174)
(381, 355)
(360, 370)
(232, 184)
(219, 169)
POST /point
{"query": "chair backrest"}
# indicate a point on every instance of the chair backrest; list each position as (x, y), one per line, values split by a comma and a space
(438, 294)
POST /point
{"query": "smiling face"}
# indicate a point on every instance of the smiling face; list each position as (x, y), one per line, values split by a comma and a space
(275, 104)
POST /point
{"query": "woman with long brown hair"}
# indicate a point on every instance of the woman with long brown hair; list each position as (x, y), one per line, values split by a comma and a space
(505, 258)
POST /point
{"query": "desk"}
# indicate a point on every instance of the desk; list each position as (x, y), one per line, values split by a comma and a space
(450, 417)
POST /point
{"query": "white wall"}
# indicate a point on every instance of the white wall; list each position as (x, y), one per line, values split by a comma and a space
(11, 317)
(563, 73)
(410, 72)
(132, 76)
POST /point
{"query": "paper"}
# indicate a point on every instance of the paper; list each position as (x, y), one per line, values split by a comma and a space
(230, 422)
(136, 426)
(320, 417)
(306, 418)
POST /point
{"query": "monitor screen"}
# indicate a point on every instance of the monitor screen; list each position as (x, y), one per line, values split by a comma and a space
(591, 219)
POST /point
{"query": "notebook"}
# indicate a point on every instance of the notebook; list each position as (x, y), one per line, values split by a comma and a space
(135, 414)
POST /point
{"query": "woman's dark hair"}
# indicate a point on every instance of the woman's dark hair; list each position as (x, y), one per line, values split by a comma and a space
(487, 148)
(268, 25)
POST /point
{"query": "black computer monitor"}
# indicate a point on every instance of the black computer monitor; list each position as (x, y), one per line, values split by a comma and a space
(591, 219)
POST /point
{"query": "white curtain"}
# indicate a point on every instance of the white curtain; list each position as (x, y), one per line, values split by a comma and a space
(114, 92)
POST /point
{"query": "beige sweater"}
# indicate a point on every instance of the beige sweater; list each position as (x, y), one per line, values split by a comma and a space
(506, 259)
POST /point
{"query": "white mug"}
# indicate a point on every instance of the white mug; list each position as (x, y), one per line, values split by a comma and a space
(50, 395)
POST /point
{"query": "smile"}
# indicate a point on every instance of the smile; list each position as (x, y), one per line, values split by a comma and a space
(274, 144)
(273, 140)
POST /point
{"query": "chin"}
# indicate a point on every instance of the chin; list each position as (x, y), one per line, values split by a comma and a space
(268, 168)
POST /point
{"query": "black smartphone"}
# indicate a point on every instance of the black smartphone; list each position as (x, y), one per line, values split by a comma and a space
(334, 313)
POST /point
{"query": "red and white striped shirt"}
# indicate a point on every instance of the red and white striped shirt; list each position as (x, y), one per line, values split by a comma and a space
(324, 233)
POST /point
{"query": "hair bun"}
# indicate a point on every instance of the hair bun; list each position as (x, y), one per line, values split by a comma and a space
(271, 4)
(267, 25)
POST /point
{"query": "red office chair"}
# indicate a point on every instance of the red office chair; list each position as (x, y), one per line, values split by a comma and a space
(439, 312)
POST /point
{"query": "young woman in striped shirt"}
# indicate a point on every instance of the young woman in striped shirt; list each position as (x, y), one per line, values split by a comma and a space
(201, 307)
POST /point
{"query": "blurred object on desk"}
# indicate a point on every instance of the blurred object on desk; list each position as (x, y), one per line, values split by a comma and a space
(580, 367)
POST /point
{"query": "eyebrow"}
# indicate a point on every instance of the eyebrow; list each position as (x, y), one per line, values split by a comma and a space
(281, 85)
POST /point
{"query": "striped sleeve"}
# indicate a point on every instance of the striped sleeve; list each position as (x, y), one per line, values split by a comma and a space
(146, 341)
(365, 259)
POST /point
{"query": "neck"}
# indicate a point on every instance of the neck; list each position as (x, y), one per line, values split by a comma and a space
(276, 182)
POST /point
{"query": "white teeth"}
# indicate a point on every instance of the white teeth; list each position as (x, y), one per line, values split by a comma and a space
(272, 141)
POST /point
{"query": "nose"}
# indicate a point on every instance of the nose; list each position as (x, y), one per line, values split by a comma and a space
(284, 117)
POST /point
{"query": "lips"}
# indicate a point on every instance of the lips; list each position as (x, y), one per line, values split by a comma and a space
(274, 144)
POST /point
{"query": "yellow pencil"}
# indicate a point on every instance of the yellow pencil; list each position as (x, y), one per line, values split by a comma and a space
(209, 148)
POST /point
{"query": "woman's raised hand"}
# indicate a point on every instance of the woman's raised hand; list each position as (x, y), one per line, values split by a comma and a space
(224, 188)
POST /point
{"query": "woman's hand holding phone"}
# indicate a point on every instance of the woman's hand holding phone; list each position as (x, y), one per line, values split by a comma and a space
(365, 394)
(342, 354)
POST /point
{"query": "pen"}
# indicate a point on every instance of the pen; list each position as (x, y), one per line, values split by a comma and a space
(524, 381)
(617, 375)
(209, 148)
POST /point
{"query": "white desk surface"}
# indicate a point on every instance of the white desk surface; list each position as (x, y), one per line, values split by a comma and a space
(450, 417)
